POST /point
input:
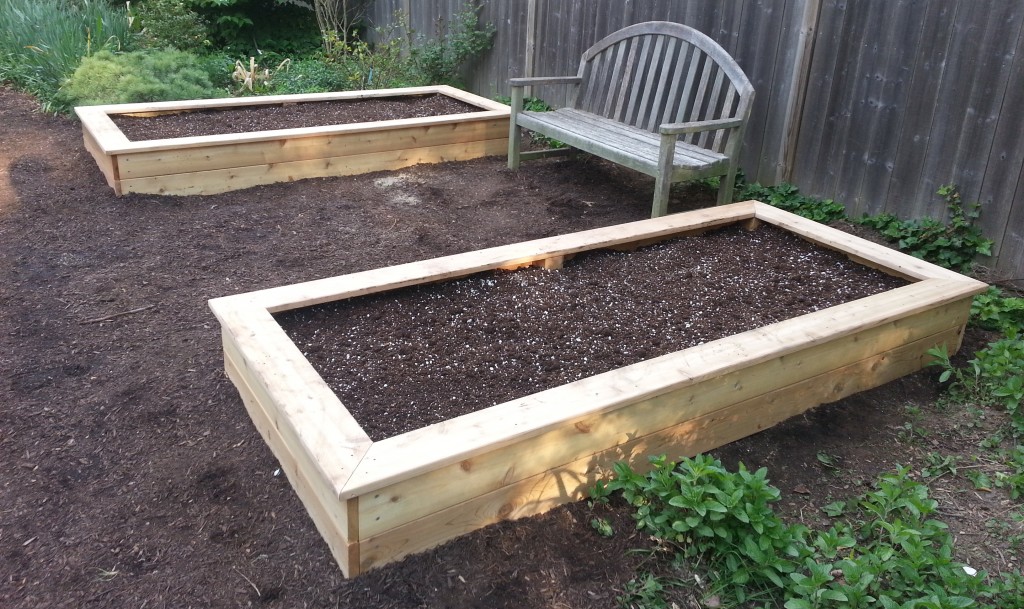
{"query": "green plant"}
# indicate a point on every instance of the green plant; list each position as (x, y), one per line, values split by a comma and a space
(384, 64)
(646, 592)
(439, 60)
(602, 526)
(993, 311)
(336, 20)
(254, 78)
(140, 76)
(43, 41)
(714, 514)
(310, 76)
(995, 375)
(953, 245)
(939, 465)
(1012, 478)
(375, 67)
(829, 462)
(888, 550)
(788, 197)
(260, 27)
(167, 23)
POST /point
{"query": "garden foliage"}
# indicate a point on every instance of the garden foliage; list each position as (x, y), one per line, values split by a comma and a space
(886, 548)
(953, 244)
(139, 76)
(158, 24)
(43, 41)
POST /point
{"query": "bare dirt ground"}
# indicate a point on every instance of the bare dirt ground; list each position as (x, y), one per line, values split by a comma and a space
(133, 477)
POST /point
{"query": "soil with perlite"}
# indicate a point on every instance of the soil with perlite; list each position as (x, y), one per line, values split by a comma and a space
(134, 478)
(246, 119)
(406, 359)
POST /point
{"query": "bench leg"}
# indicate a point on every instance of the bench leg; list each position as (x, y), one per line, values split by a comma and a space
(726, 185)
(663, 181)
(662, 188)
(514, 133)
(514, 143)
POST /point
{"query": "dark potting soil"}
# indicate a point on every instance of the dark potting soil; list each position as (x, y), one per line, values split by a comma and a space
(409, 358)
(291, 116)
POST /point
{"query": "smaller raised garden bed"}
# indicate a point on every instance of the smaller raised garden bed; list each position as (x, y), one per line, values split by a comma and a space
(208, 164)
(376, 501)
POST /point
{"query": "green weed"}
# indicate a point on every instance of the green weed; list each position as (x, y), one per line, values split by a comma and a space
(953, 245)
(439, 60)
(788, 198)
(994, 311)
(887, 549)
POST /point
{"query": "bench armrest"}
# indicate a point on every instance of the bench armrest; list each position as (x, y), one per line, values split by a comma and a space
(697, 127)
(545, 80)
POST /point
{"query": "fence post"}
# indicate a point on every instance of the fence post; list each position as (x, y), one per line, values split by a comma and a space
(798, 89)
(530, 61)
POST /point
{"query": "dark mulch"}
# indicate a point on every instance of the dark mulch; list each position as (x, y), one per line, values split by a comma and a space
(134, 478)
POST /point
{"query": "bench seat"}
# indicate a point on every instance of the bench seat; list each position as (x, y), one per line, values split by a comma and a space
(620, 143)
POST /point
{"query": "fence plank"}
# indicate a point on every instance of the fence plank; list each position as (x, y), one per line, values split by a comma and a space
(879, 98)
(971, 90)
(818, 119)
(1003, 170)
(937, 20)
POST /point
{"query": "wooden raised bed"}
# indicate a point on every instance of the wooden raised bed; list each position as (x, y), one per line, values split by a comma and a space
(375, 502)
(219, 163)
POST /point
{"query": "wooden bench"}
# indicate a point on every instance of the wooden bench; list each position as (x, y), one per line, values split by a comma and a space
(657, 97)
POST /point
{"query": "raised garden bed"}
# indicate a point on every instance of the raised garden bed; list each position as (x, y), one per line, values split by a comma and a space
(208, 164)
(375, 502)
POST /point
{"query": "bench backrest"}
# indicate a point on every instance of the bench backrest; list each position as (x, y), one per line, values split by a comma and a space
(660, 72)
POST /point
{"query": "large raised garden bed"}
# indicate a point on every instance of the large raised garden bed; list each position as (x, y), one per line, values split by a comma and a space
(209, 164)
(375, 502)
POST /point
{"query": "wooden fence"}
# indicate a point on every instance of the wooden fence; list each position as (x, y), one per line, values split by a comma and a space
(875, 103)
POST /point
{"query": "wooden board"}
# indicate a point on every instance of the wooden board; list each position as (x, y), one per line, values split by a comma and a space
(462, 478)
(572, 481)
(218, 163)
(382, 500)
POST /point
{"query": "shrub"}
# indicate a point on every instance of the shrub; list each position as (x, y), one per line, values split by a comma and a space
(168, 23)
(43, 41)
(440, 60)
(141, 76)
(310, 76)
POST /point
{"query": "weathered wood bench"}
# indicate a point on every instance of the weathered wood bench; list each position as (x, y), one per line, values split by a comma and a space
(657, 97)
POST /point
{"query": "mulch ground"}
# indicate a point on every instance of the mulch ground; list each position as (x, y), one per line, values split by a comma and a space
(132, 474)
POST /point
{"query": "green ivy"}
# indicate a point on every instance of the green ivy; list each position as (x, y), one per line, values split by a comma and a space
(886, 549)
(787, 197)
(994, 311)
(994, 375)
(439, 60)
(953, 245)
